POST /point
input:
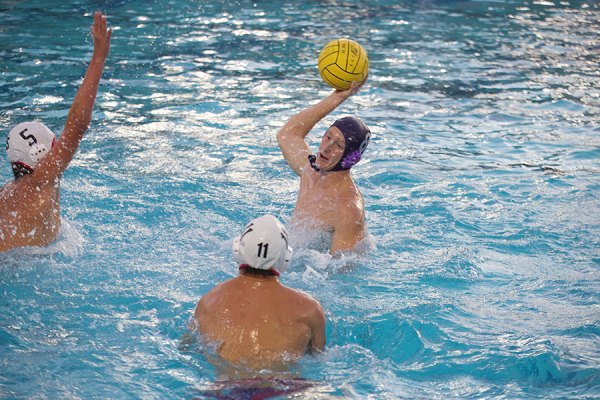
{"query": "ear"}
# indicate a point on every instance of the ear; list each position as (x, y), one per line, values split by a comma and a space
(286, 259)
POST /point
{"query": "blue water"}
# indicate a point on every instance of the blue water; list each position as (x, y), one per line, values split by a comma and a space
(481, 187)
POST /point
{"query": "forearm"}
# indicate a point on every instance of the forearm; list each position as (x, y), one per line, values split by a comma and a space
(301, 123)
(317, 342)
(80, 114)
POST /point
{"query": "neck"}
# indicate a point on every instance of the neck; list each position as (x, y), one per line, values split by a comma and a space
(246, 270)
(260, 278)
(332, 177)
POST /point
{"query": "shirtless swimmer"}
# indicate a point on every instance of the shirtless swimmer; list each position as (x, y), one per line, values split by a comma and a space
(30, 205)
(328, 197)
(255, 321)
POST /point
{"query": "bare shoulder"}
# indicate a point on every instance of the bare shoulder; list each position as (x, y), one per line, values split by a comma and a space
(7, 190)
(304, 299)
(215, 293)
(313, 311)
(22, 193)
(350, 203)
(32, 184)
(212, 298)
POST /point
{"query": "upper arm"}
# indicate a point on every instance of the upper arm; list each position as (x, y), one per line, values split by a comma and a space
(199, 309)
(200, 315)
(294, 149)
(54, 164)
(291, 136)
(317, 341)
(57, 160)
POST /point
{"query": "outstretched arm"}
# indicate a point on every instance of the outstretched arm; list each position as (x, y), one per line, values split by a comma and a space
(80, 115)
(291, 136)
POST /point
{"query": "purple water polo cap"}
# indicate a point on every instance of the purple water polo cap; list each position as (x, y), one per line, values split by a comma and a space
(357, 136)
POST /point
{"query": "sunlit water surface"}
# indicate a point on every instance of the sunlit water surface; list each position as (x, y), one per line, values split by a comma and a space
(481, 187)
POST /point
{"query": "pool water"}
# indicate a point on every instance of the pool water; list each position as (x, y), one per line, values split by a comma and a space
(481, 187)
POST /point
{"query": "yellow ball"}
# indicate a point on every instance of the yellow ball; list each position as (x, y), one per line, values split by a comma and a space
(343, 61)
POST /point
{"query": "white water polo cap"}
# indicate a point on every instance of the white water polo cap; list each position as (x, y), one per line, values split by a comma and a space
(28, 142)
(263, 244)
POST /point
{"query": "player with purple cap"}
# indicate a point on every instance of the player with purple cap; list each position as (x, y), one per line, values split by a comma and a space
(356, 139)
(328, 198)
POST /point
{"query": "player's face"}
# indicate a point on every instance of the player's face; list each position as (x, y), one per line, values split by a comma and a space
(331, 149)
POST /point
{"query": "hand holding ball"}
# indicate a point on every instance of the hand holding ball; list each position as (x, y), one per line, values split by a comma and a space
(343, 61)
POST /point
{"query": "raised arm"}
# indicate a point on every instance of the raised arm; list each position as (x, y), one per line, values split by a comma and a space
(80, 114)
(291, 136)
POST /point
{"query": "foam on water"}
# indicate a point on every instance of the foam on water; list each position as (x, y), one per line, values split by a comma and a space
(480, 187)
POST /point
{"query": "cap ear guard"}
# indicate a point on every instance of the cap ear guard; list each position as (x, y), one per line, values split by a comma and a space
(235, 247)
(28, 142)
(356, 138)
(286, 259)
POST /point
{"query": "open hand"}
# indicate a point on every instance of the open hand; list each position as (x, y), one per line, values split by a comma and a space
(101, 35)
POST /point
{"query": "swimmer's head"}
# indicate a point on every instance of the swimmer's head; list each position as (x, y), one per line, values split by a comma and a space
(356, 136)
(263, 245)
(26, 144)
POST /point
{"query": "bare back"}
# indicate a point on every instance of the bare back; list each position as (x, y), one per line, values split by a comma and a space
(260, 323)
(30, 213)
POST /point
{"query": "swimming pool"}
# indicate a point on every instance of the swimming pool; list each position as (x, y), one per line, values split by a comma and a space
(481, 189)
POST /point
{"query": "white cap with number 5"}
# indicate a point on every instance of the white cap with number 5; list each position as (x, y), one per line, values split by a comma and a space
(28, 142)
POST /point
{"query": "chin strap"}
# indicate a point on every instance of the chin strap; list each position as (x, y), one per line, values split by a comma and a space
(311, 160)
(20, 169)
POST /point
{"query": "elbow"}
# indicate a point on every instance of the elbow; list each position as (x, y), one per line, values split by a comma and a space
(281, 134)
(78, 121)
(281, 137)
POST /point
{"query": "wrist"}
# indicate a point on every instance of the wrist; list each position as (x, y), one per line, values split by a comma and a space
(98, 57)
(338, 97)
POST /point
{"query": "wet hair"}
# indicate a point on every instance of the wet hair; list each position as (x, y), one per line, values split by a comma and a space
(257, 272)
(20, 170)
